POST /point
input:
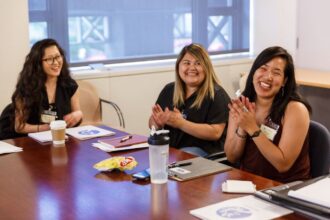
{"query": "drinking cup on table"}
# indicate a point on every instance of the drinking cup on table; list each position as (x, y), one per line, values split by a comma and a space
(58, 131)
(158, 156)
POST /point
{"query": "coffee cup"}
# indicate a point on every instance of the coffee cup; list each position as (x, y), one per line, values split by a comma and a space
(58, 131)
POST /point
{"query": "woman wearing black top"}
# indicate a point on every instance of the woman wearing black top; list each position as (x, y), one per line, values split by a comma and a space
(194, 107)
(44, 92)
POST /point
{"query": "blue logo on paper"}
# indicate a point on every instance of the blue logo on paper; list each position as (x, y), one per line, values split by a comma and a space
(88, 132)
(234, 212)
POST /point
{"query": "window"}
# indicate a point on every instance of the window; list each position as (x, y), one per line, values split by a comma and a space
(111, 31)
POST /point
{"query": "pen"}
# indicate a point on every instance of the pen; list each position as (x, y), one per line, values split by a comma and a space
(125, 138)
(179, 165)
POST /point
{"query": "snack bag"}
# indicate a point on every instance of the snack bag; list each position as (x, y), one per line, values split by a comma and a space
(121, 163)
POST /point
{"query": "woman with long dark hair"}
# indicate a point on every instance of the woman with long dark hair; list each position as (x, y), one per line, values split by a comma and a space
(268, 125)
(44, 92)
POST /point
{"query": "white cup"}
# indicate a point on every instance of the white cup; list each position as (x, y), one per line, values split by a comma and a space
(58, 131)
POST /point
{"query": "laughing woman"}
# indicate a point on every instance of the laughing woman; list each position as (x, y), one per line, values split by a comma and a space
(44, 92)
(194, 107)
(268, 125)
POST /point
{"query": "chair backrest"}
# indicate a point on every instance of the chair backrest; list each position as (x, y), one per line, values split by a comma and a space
(89, 103)
(319, 149)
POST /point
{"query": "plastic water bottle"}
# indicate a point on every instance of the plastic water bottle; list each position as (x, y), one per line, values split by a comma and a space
(158, 156)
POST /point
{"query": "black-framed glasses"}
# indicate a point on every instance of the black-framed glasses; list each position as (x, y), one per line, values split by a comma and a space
(51, 60)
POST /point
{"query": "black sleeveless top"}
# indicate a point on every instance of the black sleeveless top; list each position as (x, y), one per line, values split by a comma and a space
(62, 106)
(254, 162)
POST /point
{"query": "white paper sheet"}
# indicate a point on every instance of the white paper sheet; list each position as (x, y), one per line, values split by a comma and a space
(88, 132)
(247, 208)
(8, 148)
(42, 136)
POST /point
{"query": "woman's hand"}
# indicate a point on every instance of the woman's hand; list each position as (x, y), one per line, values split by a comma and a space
(175, 118)
(242, 113)
(73, 118)
(159, 116)
(43, 127)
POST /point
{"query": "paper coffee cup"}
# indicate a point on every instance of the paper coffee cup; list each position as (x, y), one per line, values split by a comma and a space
(58, 131)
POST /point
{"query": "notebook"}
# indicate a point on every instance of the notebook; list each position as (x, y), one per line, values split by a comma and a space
(123, 141)
(281, 195)
(43, 136)
(199, 167)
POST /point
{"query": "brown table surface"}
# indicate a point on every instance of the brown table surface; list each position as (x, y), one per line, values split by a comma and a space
(47, 182)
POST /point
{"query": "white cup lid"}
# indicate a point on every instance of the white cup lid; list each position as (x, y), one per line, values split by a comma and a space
(57, 124)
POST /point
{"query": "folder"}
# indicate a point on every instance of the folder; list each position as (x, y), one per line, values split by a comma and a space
(281, 195)
(199, 167)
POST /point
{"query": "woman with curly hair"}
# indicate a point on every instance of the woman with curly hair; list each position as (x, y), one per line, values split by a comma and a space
(44, 92)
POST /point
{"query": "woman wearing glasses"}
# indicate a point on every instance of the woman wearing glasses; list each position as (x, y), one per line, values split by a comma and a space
(44, 92)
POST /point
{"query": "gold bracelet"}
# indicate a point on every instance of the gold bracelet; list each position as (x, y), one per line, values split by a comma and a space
(240, 135)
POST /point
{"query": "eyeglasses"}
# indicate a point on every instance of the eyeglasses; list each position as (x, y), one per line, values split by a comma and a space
(51, 60)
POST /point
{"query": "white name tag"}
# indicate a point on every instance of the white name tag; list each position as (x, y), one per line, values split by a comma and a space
(180, 170)
(47, 118)
(268, 132)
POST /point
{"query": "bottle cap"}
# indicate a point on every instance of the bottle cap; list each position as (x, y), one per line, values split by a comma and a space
(159, 137)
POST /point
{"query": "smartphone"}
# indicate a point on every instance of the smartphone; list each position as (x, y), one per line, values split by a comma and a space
(143, 175)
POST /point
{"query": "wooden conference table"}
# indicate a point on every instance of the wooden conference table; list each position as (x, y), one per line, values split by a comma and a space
(47, 182)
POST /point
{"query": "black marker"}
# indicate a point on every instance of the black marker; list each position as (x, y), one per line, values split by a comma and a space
(179, 165)
(126, 138)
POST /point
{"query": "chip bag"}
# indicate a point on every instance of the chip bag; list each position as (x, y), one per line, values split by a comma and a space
(120, 162)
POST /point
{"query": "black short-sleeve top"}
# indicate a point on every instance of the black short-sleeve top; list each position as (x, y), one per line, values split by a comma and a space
(212, 111)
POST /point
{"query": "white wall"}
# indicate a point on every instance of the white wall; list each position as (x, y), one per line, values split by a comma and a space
(275, 24)
(314, 32)
(14, 45)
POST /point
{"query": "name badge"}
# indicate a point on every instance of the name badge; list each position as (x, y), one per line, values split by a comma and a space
(48, 116)
(268, 132)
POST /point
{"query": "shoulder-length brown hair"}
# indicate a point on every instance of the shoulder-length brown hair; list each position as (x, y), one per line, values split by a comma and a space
(206, 89)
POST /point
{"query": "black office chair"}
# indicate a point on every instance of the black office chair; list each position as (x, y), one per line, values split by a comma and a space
(319, 149)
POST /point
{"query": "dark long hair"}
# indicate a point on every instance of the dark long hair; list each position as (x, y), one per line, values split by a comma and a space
(32, 79)
(290, 92)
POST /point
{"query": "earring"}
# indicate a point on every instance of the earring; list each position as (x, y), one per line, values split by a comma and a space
(282, 90)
